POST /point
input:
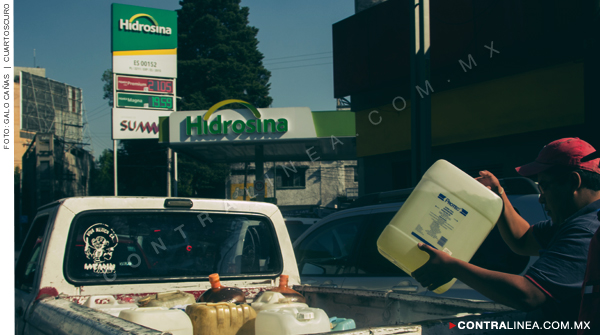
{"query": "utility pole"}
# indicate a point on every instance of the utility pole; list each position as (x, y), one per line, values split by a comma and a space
(176, 178)
(420, 104)
(115, 166)
(169, 168)
(259, 176)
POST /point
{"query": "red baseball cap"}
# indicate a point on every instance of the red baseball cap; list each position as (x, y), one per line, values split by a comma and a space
(571, 152)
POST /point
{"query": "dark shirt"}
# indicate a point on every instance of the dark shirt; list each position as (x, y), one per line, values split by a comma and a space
(560, 269)
(590, 292)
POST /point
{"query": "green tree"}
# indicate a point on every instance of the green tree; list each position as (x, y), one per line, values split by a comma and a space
(218, 57)
(107, 78)
(101, 179)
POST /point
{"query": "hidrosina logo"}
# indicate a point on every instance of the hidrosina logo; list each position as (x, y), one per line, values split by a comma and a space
(456, 208)
(130, 25)
(228, 102)
(217, 126)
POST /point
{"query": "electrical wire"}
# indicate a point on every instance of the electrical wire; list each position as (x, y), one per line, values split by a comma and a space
(318, 53)
(299, 60)
(98, 117)
(98, 138)
(99, 112)
(92, 111)
(293, 67)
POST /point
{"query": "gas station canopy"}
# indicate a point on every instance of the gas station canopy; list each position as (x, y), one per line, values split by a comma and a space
(284, 134)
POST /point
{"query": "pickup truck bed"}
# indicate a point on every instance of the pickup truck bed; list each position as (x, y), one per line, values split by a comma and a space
(153, 245)
(374, 313)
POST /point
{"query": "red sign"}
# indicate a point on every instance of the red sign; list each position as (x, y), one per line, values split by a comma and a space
(137, 84)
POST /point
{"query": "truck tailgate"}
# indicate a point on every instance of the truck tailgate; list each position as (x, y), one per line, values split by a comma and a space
(59, 316)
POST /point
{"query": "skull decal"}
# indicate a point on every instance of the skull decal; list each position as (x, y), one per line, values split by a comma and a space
(100, 242)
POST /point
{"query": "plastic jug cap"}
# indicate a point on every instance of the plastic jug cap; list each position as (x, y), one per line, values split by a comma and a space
(283, 280)
(215, 281)
(305, 316)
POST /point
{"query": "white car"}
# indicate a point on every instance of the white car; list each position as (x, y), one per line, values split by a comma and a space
(341, 250)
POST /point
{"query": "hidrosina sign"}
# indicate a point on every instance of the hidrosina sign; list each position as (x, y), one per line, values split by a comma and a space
(219, 126)
(240, 125)
(144, 41)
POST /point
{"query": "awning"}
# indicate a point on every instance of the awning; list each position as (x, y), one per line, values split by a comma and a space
(228, 136)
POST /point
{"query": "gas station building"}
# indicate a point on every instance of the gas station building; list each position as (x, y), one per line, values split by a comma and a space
(304, 161)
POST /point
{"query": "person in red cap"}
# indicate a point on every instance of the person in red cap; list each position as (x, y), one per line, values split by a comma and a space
(569, 182)
(590, 291)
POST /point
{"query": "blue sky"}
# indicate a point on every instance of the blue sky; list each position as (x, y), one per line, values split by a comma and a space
(72, 42)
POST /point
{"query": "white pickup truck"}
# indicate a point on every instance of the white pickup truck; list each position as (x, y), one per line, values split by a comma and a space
(131, 247)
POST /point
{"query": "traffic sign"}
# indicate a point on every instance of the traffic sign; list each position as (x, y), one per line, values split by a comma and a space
(259, 186)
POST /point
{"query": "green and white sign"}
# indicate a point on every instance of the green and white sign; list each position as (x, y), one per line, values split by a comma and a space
(144, 41)
(226, 135)
(129, 100)
(241, 124)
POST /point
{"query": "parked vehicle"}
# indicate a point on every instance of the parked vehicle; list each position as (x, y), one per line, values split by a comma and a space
(296, 226)
(131, 247)
(341, 250)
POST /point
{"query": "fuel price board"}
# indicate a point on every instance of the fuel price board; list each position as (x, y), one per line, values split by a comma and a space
(141, 84)
(127, 100)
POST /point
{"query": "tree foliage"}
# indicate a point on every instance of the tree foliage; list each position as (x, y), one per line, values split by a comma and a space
(101, 180)
(107, 78)
(218, 55)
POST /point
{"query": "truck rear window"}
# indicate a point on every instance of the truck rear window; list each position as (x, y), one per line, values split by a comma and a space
(143, 246)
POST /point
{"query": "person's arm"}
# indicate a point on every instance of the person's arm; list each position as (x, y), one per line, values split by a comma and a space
(515, 231)
(511, 290)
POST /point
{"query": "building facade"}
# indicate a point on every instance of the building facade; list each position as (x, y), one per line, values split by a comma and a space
(299, 188)
(506, 78)
(53, 170)
(49, 150)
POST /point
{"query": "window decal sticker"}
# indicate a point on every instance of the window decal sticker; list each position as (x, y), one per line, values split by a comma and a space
(100, 242)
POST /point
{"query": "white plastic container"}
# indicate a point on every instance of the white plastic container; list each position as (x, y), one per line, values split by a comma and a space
(274, 300)
(107, 304)
(292, 321)
(448, 210)
(174, 321)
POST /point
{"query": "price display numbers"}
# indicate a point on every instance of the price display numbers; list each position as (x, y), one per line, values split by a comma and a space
(160, 86)
(148, 85)
(145, 101)
(154, 93)
(160, 102)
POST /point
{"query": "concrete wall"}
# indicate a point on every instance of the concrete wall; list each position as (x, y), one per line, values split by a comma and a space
(325, 182)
